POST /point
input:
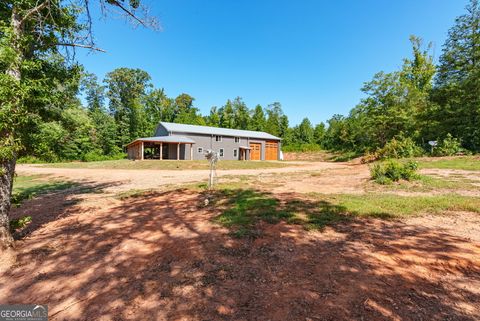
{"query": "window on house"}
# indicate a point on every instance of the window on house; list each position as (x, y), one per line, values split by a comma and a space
(235, 153)
(221, 152)
(237, 139)
(200, 150)
(218, 138)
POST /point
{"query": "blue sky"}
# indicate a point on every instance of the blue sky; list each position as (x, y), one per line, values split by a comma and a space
(311, 55)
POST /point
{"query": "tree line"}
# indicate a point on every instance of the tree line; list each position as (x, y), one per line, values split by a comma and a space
(402, 110)
(421, 102)
(126, 105)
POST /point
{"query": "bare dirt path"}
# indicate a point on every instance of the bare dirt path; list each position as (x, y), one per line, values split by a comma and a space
(162, 257)
(122, 180)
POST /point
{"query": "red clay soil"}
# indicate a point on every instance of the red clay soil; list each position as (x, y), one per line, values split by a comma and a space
(160, 257)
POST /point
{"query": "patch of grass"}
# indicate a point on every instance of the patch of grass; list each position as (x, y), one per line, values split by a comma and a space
(390, 206)
(133, 193)
(27, 187)
(471, 163)
(171, 164)
(242, 209)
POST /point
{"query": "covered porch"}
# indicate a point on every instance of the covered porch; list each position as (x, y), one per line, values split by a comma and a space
(162, 147)
(244, 152)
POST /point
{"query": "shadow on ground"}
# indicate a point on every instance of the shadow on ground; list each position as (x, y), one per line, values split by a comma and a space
(164, 256)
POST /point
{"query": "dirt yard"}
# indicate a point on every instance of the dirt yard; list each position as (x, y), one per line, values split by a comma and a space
(91, 255)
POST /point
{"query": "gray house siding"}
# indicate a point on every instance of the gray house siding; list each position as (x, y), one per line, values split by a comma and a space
(161, 131)
(207, 141)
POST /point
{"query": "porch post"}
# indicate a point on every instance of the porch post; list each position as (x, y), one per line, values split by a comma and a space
(191, 151)
(141, 150)
(178, 151)
(161, 150)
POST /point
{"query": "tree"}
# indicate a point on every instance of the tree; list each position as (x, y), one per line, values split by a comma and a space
(458, 81)
(94, 92)
(258, 120)
(126, 90)
(303, 133)
(276, 123)
(213, 119)
(241, 114)
(158, 107)
(35, 37)
(319, 134)
(227, 115)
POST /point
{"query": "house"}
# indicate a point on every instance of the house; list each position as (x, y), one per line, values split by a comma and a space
(189, 142)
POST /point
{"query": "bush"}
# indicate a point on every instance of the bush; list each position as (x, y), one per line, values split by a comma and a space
(393, 171)
(301, 148)
(29, 160)
(95, 157)
(20, 223)
(449, 146)
(400, 147)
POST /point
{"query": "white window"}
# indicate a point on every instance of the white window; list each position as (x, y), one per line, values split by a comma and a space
(221, 152)
(237, 139)
(218, 138)
(200, 150)
(235, 153)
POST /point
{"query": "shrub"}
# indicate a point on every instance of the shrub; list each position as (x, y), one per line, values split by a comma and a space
(301, 148)
(29, 160)
(20, 223)
(448, 146)
(393, 171)
(400, 147)
(95, 157)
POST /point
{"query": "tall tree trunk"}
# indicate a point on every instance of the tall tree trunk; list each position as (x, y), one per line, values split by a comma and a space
(7, 170)
(7, 166)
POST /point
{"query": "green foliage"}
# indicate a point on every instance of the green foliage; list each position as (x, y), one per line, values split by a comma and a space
(393, 171)
(401, 147)
(96, 156)
(448, 146)
(468, 163)
(299, 147)
(20, 223)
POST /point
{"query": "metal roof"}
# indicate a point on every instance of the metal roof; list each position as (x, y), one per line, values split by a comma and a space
(196, 129)
(165, 139)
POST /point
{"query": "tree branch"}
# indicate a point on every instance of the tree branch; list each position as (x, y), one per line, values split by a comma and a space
(128, 12)
(35, 10)
(79, 45)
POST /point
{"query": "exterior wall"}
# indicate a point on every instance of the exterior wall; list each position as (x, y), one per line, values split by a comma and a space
(228, 144)
(204, 141)
(161, 131)
(134, 151)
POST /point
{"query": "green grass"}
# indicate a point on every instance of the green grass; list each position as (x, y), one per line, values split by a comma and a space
(471, 163)
(242, 209)
(170, 164)
(27, 187)
(427, 183)
(392, 206)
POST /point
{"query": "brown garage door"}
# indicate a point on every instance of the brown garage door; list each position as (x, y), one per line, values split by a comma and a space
(255, 151)
(271, 151)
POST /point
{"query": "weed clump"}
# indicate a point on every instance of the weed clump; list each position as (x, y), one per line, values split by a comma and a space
(393, 171)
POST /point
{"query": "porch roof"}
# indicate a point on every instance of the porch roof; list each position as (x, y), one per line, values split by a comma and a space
(164, 139)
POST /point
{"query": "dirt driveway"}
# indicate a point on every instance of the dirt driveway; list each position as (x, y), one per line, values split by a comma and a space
(341, 177)
(92, 256)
